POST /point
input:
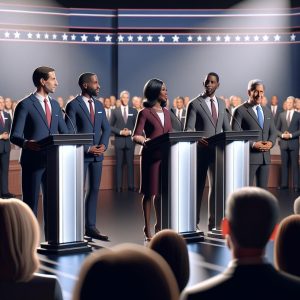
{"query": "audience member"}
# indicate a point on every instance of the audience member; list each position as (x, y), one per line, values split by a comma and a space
(297, 206)
(137, 103)
(172, 247)
(19, 236)
(251, 216)
(288, 125)
(275, 108)
(287, 246)
(61, 102)
(5, 125)
(128, 271)
(186, 101)
(297, 104)
(177, 114)
(113, 101)
(9, 107)
(122, 122)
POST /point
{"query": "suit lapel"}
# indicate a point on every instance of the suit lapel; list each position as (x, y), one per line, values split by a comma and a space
(252, 113)
(84, 108)
(206, 109)
(153, 112)
(98, 113)
(38, 107)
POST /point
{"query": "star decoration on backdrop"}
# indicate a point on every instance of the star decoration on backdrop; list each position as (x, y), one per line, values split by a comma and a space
(153, 38)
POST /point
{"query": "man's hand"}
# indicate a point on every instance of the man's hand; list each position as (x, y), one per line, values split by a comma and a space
(4, 136)
(286, 135)
(263, 146)
(203, 142)
(125, 132)
(32, 145)
(96, 150)
(102, 148)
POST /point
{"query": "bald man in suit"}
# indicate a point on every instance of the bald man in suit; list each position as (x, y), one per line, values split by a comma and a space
(207, 113)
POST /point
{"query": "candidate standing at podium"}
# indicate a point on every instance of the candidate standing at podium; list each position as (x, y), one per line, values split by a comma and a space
(36, 117)
(207, 113)
(87, 115)
(152, 121)
(252, 116)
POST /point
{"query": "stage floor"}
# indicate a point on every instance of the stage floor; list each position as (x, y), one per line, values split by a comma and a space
(119, 216)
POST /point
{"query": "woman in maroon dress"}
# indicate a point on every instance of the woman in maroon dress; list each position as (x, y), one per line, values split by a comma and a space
(152, 121)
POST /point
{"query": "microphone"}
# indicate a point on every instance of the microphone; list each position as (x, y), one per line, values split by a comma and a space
(74, 128)
(232, 116)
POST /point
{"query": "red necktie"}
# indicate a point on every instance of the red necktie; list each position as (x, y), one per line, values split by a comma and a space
(213, 112)
(48, 112)
(92, 112)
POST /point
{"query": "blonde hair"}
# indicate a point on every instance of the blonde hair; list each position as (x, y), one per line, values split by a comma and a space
(19, 237)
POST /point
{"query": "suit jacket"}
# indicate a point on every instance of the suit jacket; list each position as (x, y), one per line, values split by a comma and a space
(44, 287)
(294, 129)
(5, 144)
(260, 281)
(278, 111)
(177, 124)
(80, 116)
(30, 123)
(244, 118)
(117, 124)
(199, 118)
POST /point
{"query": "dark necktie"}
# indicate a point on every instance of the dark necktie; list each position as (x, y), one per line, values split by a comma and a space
(213, 112)
(125, 115)
(288, 119)
(260, 117)
(92, 112)
(47, 112)
(1, 120)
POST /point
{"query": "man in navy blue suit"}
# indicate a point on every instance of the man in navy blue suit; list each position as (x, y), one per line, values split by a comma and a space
(36, 117)
(88, 116)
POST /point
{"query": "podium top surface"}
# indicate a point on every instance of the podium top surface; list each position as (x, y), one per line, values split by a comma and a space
(175, 137)
(230, 136)
(67, 139)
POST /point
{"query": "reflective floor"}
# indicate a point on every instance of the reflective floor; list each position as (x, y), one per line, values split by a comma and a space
(119, 216)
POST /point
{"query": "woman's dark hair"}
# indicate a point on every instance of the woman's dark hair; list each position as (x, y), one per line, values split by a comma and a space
(152, 90)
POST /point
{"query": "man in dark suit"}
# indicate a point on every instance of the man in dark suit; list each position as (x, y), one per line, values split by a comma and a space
(36, 117)
(178, 115)
(5, 125)
(207, 113)
(275, 108)
(252, 116)
(122, 123)
(251, 215)
(88, 116)
(288, 126)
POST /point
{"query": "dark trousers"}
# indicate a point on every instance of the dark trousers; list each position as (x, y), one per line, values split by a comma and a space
(261, 173)
(206, 167)
(34, 177)
(94, 169)
(291, 155)
(4, 164)
(129, 155)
